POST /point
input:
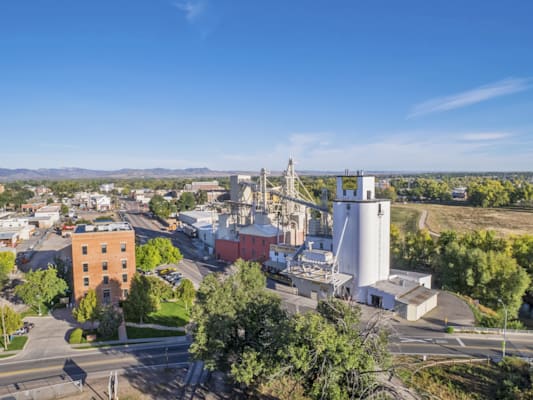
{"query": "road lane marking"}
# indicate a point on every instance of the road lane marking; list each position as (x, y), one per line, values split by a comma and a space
(125, 348)
(411, 340)
(460, 342)
(87, 364)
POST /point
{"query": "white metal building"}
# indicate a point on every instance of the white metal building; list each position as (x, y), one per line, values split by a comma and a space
(361, 233)
(51, 212)
(359, 265)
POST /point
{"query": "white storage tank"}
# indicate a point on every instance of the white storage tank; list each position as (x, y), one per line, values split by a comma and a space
(361, 229)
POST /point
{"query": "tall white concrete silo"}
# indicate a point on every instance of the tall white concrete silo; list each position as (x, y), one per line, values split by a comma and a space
(361, 233)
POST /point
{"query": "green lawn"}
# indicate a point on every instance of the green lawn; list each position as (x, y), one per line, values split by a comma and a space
(17, 343)
(171, 314)
(78, 336)
(141, 333)
(34, 311)
(405, 218)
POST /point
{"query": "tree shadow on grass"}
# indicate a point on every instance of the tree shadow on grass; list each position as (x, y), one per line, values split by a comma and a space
(166, 320)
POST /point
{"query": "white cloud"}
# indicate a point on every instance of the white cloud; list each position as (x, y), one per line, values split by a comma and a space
(192, 9)
(473, 96)
(410, 151)
(483, 136)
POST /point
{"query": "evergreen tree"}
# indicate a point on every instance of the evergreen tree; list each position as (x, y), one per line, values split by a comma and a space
(88, 309)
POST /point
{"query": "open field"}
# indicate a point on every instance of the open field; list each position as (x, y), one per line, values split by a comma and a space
(405, 218)
(463, 219)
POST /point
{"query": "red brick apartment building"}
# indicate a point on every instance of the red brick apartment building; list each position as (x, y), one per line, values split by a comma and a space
(103, 259)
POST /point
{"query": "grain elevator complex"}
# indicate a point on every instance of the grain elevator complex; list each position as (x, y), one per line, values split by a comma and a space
(345, 253)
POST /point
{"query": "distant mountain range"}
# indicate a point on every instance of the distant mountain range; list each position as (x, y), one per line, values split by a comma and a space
(81, 173)
(125, 173)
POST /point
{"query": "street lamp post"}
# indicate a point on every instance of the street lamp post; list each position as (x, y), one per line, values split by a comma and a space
(504, 327)
(39, 303)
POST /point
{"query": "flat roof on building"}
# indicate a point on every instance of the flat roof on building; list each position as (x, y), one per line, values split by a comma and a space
(417, 296)
(395, 286)
(412, 274)
(317, 275)
(8, 235)
(284, 248)
(404, 291)
(112, 227)
(49, 209)
(260, 230)
(197, 214)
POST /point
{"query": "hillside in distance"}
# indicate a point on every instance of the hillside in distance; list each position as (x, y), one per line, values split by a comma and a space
(21, 174)
(81, 173)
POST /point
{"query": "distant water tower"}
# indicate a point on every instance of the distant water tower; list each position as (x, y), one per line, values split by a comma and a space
(361, 233)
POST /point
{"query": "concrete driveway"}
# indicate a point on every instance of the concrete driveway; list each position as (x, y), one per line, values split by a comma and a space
(450, 309)
(49, 337)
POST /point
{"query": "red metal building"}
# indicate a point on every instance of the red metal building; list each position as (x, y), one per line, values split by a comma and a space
(253, 243)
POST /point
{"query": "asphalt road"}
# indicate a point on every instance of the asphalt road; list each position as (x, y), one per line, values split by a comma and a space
(22, 373)
(474, 345)
(193, 266)
(15, 374)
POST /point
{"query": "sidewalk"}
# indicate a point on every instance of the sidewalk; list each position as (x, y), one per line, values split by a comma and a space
(156, 326)
(122, 332)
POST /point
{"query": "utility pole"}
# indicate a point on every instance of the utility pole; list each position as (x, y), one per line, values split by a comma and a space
(504, 327)
(4, 327)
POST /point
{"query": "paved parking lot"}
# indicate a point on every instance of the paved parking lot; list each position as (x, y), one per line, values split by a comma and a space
(49, 336)
(51, 245)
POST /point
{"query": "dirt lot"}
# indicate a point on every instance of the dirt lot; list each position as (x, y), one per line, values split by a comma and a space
(462, 219)
(92, 215)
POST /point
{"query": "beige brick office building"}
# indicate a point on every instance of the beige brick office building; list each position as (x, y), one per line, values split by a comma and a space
(103, 258)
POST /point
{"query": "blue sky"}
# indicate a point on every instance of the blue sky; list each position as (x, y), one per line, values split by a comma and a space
(379, 85)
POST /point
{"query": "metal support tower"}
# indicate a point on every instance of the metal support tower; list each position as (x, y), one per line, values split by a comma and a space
(263, 190)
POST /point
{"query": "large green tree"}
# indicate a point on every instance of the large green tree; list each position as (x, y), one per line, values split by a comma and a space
(186, 202)
(332, 356)
(109, 321)
(141, 300)
(156, 252)
(41, 287)
(159, 288)
(10, 321)
(488, 276)
(522, 249)
(88, 309)
(488, 193)
(201, 197)
(169, 253)
(147, 257)
(416, 251)
(240, 327)
(186, 292)
(161, 207)
(7, 263)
